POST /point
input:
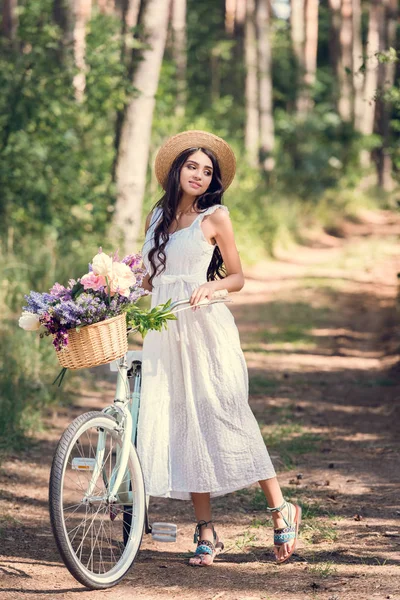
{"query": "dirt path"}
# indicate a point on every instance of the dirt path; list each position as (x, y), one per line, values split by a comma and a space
(320, 333)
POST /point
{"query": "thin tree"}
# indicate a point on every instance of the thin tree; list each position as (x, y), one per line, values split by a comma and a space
(251, 88)
(240, 14)
(267, 134)
(128, 12)
(297, 34)
(310, 56)
(334, 39)
(345, 70)
(358, 61)
(134, 141)
(386, 75)
(82, 13)
(9, 20)
(371, 70)
(179, 53)
(230, 10)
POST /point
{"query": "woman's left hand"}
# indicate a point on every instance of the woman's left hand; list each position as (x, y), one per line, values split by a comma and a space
(205, 290)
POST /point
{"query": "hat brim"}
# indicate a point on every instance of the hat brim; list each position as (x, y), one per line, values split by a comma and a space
(195, 139)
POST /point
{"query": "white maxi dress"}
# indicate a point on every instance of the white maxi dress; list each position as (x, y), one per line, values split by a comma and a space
(196, 430)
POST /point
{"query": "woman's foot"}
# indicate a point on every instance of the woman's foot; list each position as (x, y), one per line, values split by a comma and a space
(286, 520)
(208, 545)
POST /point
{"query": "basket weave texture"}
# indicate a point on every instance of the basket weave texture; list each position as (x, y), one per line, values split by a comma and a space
(95, 344)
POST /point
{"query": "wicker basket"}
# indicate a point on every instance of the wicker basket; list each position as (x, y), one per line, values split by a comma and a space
(95, 344)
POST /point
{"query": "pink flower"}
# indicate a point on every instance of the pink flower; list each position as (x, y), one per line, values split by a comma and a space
(92, 281)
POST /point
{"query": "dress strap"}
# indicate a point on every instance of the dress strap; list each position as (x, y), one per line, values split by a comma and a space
(154, 217)
(210, 210)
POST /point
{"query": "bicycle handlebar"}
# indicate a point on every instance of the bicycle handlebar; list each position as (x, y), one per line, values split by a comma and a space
(218, 296)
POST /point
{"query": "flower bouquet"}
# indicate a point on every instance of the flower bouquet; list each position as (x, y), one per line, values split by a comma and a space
(88, 318)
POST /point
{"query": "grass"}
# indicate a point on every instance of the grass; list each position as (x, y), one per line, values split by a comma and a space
(259, 384)
(316, 531)
(290, 441)
(245, 541)
(322, 569)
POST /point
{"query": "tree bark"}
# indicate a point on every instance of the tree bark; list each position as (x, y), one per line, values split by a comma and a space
(358, 61)
(240, 16)
(334, 36)
(345, 79)
(179, 53)
(9, 19)
(371, 72)
(83, 10)
(251, 88)
(267, 135)
(310, 56)
(230, 10)
(297, 34)
(134, 143)
(386, 75)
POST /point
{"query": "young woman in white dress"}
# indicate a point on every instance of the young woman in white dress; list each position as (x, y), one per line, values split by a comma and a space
(197, 436)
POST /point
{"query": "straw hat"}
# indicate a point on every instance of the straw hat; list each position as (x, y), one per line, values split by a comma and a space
(195, 139)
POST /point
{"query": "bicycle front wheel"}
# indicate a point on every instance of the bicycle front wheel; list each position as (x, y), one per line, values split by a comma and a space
(96, 540)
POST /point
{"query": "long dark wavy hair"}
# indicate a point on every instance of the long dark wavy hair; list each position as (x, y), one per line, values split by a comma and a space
(169, 203)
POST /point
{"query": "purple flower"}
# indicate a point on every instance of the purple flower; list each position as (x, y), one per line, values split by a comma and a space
(132, 260)
(59, 291)
(38, 303)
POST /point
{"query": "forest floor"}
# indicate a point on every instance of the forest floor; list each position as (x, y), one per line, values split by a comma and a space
(320, 332)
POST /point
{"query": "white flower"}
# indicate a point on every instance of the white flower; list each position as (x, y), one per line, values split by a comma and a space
(102, 264)
(122, 279)
(29, 321)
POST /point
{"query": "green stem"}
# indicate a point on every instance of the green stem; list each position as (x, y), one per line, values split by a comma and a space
(60, 376)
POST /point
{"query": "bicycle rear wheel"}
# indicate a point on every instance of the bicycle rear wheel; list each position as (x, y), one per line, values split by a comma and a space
(92, 535)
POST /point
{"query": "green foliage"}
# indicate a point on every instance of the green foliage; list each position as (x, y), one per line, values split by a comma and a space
(27, 367)
(145, 320)
(57, 154)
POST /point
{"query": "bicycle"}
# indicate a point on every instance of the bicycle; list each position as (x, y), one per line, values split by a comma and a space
(97, 498)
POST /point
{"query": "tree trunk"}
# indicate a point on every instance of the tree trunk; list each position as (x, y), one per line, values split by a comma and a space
(83, 11)
(345, 104)
(386, 74)
(106, 7)
(63, 15)
(9, 19)
(267, 136)
(134, 144)
(334, 36)
(297, 33)
(371, 73)
(358, 60)
(310, 56)
(240, 17)
(179, 53)
(128, 12)
(251, 89)
(230, 10)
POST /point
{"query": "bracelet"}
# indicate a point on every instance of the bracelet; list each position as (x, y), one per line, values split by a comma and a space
(220, 293)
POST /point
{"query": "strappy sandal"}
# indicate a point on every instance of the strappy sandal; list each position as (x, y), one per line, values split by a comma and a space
(291, 531)
(205, 548)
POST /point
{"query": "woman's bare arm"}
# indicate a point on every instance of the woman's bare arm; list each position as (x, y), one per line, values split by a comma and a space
(218, 226)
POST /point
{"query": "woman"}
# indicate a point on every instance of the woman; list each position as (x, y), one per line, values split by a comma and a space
(197, 436)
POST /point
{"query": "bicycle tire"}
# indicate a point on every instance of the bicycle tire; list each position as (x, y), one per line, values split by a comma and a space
(60, 489)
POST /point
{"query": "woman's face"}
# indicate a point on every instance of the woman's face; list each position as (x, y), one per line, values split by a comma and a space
(196, 174)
